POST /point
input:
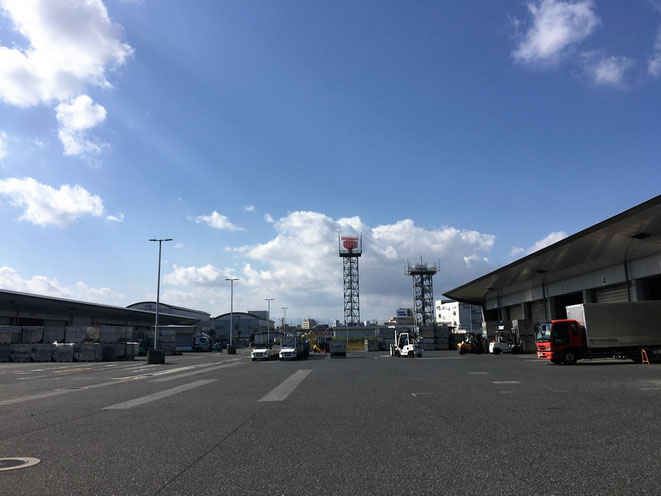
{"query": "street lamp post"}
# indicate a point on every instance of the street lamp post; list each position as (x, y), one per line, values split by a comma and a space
(268, 323)
(230, 349)
(284, 319)
(158, 294)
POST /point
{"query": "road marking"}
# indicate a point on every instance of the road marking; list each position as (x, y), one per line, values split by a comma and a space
(559, 391)
(71, 370)
(157, 396)
(415, 395)
(478, 373)
(286, 387)
(648, 389)
(443, 358)
(195, 372)
(505, 382)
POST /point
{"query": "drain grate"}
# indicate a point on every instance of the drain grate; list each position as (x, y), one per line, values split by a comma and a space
(15, 463)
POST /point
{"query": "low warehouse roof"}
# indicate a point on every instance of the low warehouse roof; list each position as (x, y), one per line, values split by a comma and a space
(48, 305)
(630, 235)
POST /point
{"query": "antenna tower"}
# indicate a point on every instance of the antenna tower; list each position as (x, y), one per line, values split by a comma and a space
(423, 292)
(350, 249)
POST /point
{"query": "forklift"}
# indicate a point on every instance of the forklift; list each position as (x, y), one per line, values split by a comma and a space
(472, 343)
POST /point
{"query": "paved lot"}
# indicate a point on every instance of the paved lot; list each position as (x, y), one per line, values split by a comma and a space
(367, 424)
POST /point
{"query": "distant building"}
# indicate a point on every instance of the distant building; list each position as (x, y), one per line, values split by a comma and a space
(309, 324)
(458, 315)
(403, 316)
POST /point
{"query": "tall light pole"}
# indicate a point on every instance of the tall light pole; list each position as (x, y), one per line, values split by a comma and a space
(158, 287)
(284, 319)
(231, 280)
(268, 323)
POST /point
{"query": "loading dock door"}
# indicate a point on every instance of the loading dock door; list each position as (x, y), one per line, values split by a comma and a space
(539, 311)
(612, 294)
(516, 312)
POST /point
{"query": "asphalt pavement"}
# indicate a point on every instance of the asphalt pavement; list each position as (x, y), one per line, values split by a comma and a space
(208, 423)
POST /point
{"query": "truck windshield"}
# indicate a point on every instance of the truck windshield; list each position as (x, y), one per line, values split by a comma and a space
(544, 332)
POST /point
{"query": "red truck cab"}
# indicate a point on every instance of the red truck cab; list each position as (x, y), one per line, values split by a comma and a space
(561, 341)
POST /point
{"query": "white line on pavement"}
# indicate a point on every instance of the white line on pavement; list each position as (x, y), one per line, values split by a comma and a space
(478, 373)
(286, 387)
(198, 371)
(157, 396)
(505, 382)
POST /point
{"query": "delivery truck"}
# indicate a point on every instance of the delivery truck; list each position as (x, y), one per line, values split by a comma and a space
(602, 330)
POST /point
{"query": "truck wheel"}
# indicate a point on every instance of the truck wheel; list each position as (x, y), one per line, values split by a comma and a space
(461, 351)
(570, 358)
(411, 354)
(497, 351)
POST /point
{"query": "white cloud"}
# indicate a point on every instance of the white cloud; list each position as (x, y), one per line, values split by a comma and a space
(217, 221)
(70, 45)
(11, 280)
(606, 71)
(75, 119)
(654, 62)
(189, 276)
(45, 205)
(552, 238)
(178, 246)
(555, 27)
(3, 145)
(300, 267)
(249, 208)
(114, 218)
(269, 219)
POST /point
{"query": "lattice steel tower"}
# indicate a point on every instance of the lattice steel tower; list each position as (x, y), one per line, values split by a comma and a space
(351, 248)
(423, 292)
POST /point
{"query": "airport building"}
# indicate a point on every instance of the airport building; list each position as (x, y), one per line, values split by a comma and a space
(617, 260)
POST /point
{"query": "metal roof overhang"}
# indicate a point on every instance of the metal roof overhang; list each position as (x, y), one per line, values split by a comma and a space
(630, 235)
(47, 305)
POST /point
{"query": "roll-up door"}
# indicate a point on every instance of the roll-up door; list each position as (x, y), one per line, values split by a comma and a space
(539, 311)
(516, 312)
(612, 294)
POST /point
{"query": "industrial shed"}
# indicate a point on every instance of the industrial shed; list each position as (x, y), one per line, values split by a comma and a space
(25, 309)
(616, 260)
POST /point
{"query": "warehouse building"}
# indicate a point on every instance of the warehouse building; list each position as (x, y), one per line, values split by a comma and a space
(617, 260)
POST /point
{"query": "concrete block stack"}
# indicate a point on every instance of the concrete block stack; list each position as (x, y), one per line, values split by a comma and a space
(63, 352)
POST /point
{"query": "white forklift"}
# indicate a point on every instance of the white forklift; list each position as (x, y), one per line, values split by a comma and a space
(503, 342)
(406, 345)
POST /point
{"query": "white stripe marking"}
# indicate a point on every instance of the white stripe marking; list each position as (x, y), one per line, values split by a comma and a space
(195, 372)
(478, 373)
(505, 382)
(286, 387)
(157, 396)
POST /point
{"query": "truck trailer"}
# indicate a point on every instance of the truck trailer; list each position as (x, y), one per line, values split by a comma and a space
(602, 330)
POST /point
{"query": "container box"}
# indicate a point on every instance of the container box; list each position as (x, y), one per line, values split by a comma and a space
(132, 350)
(109, 352)
(53, 335)
(10, 334)
(92, 334)
(5, 355)
(20, 352)
(109, 335)
(32, 334)
(41, 352)
(87, 352)
(74, 334)
(63, 352)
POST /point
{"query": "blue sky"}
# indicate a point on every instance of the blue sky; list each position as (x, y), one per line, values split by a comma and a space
(251, 132)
